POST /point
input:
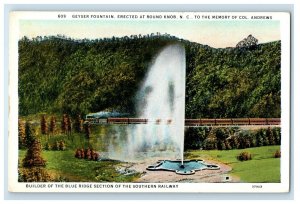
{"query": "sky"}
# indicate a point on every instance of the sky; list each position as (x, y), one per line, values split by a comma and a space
(218, 34)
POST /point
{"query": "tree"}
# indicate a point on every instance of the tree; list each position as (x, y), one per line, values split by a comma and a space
(34, 174)
(33, 156)
(87, 130)
(52, 127)
(22, 134)
(270, 136)
(64, 124)
(29, 135)
(69, 125)
(78, 124)
(44, 127)
(82, 76)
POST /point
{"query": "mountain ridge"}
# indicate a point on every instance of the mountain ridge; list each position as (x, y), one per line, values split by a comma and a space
(63, 75)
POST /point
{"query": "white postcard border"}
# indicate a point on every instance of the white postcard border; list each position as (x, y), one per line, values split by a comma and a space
(15, 186)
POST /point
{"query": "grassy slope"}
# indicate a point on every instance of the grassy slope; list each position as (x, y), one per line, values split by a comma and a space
(262, 168)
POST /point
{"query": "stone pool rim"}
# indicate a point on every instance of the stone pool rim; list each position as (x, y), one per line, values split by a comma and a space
(156, 166)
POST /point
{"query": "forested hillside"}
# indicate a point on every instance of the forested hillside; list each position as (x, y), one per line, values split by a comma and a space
(235, 82)
(62, 75)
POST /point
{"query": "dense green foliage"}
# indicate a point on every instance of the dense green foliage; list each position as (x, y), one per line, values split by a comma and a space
(62, 75)
(230, 138)
(235, 82)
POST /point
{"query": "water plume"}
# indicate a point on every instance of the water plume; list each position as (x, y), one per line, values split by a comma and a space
(161, 99)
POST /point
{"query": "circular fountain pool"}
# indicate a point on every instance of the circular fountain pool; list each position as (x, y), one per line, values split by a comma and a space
(186, 168)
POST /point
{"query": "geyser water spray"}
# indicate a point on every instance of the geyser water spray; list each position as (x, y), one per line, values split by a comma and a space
(161, 99)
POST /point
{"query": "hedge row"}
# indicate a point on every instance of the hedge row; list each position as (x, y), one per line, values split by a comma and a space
(226, 138)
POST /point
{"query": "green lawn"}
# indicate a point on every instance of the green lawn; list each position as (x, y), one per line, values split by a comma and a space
(262, 168)
(64, 166)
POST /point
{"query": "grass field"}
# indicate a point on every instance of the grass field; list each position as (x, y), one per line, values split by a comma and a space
(63, 166)
(262, 168)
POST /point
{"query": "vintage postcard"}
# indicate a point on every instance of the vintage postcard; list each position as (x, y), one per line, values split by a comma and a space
(149, 102)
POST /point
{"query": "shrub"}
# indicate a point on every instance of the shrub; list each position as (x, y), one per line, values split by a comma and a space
(221, 145)
(78, 153)
(244, 139)
(195, 136)
(228, 146)
(233, 130)
(222, 133)
(210, 143)
(88, 154)
(265, 138)
(244, 156)
(47, 146)
(35, 174)
(55, 146)
(192, 140)
(262, 138)
(253, 140)
(270, 136)
(277, 154)
(277, 135)
(95, 156)
(82, 153)
(61, 145)
(234, 142)
(259, 138)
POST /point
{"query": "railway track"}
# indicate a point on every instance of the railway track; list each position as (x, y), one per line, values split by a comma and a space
(191, 122)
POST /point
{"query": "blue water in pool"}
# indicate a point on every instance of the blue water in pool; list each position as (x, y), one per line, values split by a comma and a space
(188, 167)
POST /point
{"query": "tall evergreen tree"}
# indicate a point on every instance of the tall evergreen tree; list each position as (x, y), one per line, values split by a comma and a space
(44, 126)
(22, 134)
(69, 125)
(64, 124)
(78, 124)
(52, 127)
(87, 130)
(29, 135)
(33, 156)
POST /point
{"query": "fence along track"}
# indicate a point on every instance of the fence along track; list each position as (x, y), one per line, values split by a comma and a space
(220, 122)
